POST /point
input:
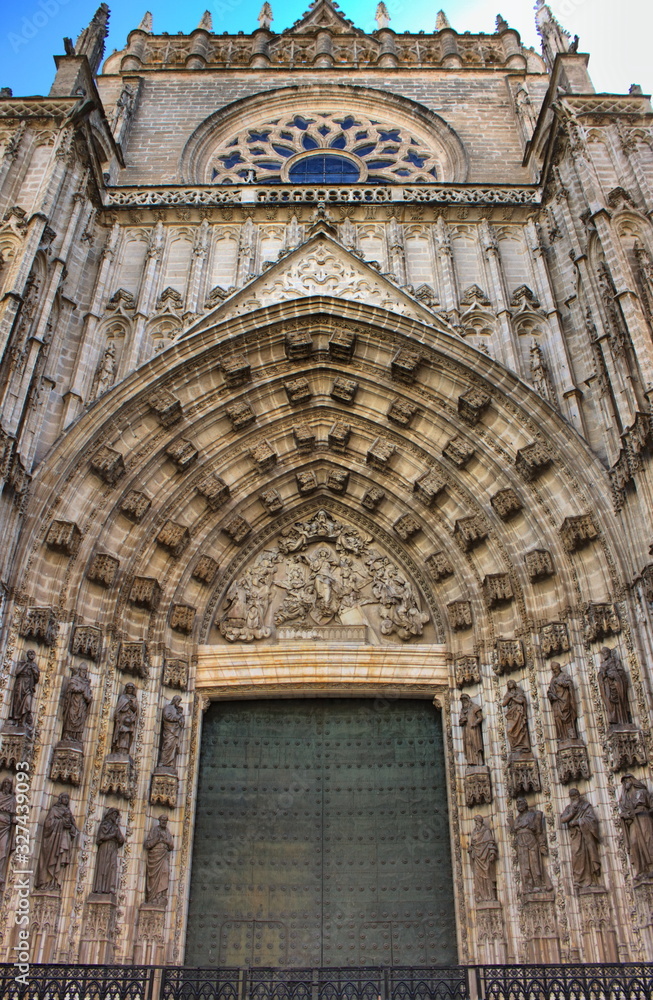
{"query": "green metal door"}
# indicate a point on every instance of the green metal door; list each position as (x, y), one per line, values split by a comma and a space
(322, 836)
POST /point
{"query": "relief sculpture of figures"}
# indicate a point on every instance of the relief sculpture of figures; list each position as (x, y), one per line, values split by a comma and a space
(613, 681)
(76, 698)
(636, 810)
(562, 695)
(7, 827)
(583, 825)
(125, 719)
(470, 721)
(109, 839)
(172, 726)
(517, 719)
(22, 701)
(59, 833)
(529, 831)
(158, 844)
(483, 852)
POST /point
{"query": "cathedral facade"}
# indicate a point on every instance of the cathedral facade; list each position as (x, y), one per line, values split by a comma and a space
(327, 362)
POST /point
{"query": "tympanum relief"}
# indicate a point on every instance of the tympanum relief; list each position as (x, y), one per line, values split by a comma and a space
(321, 576)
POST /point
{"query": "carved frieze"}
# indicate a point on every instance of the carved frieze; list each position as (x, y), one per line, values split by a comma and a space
(298, 391)
(214, 490)
(402, 412)
(108, 464)
(263, 455)
(86, 641)
(601, 621)
(306, 481)
(470, 532)
(182, 453)
(40, 625)
(472, 405)
(373, 497)
(506, 504)
(304, 436)
(103, 569)
(554, 639)
(576, 532)
(497, 589)
(338, 436)
(467, 670)
(532, 460)
(510, 656)
(133, 658)
(344, 390)
(272, 501)
(460, 615)
(439, 566)
(173, 537)
(298, 344)
(205, 570)
(63, 536)
(342, 344)
(380, 452)
(539, 564)
(337, 480)
(135, 505)
(428, 487)
(240, 414)
(165, 406)
(407, 526)
(236, 370)
(405, 365)
(175, 672)
(459, 451)
(237, 528)
(145, 592)
(182, 618)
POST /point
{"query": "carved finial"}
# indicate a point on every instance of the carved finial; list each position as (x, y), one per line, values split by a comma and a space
(554, 37)
(91, 41)
(441, 21)
(382, 16)
(635, 89)
(501, 24)
(206, 21)
(266, 17)
(146, 23)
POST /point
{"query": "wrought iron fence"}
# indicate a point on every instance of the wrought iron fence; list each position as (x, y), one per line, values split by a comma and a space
(502, 982)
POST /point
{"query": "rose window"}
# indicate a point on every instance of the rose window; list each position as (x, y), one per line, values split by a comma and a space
(325, 148)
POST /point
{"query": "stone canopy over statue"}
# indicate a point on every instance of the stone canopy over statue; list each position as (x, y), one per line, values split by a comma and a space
(321, 573)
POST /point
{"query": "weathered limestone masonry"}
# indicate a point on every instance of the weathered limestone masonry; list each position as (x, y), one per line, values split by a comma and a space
(327, 362)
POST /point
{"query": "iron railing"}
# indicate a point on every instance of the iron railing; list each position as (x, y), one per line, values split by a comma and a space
(501, 982)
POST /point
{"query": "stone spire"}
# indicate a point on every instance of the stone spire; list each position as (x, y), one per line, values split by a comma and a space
(91, 41)
(146, 23)
(206, 21)
(382, 16)
(554, 37)
(441, 21)
(265, 17)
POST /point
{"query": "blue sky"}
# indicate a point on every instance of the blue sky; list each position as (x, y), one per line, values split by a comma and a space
(618, 37)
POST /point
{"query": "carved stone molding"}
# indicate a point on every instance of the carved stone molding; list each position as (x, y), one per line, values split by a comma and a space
(460, 615)
(554, 639)
(407, 527)
(469, 532)
(306, 482)
(145, 592)
(540, 927)
(173, 537)
(175, 673)
(379, 453)
(402, 412)
(576, 532)
(118, 775)
(490, 928)
(108, 464)
(64, 536)
(497, 589)
(478, 786)
(40, 625)
(523, 775)
(298, 391)
(182, 454)
(510, 656)
(338, 436)
(214, 490)
(472, 405)
(467, 670)
(337, 480)
(241, 415)
(237, 528)
(428, 487)
(601, 621)
(342, 344)
(272, 501)
(539, 564)
(405, 365)
(182, 618)
(263, 456)
(236, 370)
(46, 912)
(439, 566)
(373, 497)
(103, 569)
(135, 505)
(304, 436)
(298, 345)
(163, 788)
(98, 930)
(644, 901)
(506, 504)
(532, 460)
(166, 407)
(15, 745)
(67, 762)
(133, 658)
(344, 390)
(572, 762)
(627, 747)
(86, 641)
(205, 570)
(458, 451)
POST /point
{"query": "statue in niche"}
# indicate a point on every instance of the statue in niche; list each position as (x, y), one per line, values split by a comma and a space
(7, 827)
(59, 833)
(470, 720)
(158, 844)
(76, 698)
(516, 706)
(106, 371)
(636, 810)
(22, 701)
(109, 839)
(529, 831)
(583, 825)
(125, 719)
(483, 853)
(613, 681)
(172, 726)
(562, 695)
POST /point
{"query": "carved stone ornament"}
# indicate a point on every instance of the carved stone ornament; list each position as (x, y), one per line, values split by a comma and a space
(439, 566)
(572, 762)
(118, 775)
(523, 776)
(241, 415)
(497, 589)
(40, 625)
(478, 786)
(402, 412)
(539, 564)
(237, 528)
(470, 532)
(263, 456)
(458, 451)
(182, 454)
(306, 482)
(407, 526)
(166, 407)
(304, 436)
(298, 391)
(182, 618)
(67, 762)
(380, 452)
(532, 460)
(163, 789)
(63, 536)
(338, 436)
(344, 390)
(133, 658)
(467, 670)
(145, 592)
(506, 504)
(576, 532)
(99, 927)
(214, 490)
(205, 570)
(460, 615)
(175, 673)
(135, 505)
(108, 464)
(472, 405)
(337, 480)
(373, 497)
(601, 621)
(342, 344)
(103, 569)
(554, 639)
(405, 365)
(272, 501)
(8, 816)
(320, 573)
(299, 345)
(86, 641)
(510, 656)
(173, 537)
(236, 370)
(627, 747)
(428, 487)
